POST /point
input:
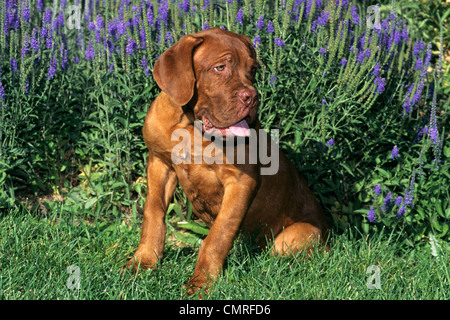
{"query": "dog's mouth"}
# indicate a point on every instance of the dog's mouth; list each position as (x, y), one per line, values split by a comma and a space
(240, 128)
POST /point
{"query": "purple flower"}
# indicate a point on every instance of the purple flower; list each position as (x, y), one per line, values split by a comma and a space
(387, 201)
(407, 103)
(308, 7)
(239, 16)
(344, 2)
(434, 132)
(367, 53)
(371, 216)
(131, 46)
(100, 22)
(257, 41)
(426, 61)
(270, 28)
(2, 90)
(142, 37)
(26, 12)
(376, 69)
(206, 4)
(121, 28)
(260, 23)
(380, 84)
(91, 26)
(344, 62)
(323, 18)
(397, 36)
(355, 15)
(418, 65)
(394, 153)
(47, 16)
(110, 45)
(98, 36)
(405, 33)
(330, 142)
(49, 40)
(34, 41)
(144, 65)
(163, 12)
(168, 38)
(418, 46)
(185, 5)
(64, 59)
(423, 131)
(409, 193)
(13, 64)
(52, 69)
(59, 22)
(26, 46)
(361, 56)
(40, 5)
(418, 93)
(322, 51)
(401, 211)
(273, 80)
(377, 189)
(76, 60)
(150, 16)
(205, 26)
(90, 52)
(11, 20)
(398, 201)
(279, 42)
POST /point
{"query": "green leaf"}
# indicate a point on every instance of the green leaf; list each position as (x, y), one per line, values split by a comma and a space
(176, 208)
(90, 203)
(344, 165)
(189, 239)
(194, 227)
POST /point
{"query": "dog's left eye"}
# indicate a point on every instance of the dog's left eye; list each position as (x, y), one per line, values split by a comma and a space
(220, 68)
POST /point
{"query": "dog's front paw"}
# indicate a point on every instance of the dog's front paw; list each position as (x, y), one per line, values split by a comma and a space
(197, 285)
(140, 260)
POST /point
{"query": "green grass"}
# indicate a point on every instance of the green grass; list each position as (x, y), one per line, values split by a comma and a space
(36, 252)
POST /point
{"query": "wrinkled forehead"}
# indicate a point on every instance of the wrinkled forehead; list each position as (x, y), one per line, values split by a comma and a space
(217, 46)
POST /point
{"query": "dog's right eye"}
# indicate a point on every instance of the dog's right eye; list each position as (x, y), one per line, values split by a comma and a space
(220, 68)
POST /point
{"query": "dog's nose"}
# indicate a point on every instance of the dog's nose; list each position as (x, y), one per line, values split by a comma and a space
(247, 96)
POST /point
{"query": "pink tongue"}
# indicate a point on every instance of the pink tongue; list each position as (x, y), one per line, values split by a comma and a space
(240, 129)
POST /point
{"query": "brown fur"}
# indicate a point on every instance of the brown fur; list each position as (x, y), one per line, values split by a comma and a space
(227, 197)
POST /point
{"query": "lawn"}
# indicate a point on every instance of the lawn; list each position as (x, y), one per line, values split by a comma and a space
(41, 257)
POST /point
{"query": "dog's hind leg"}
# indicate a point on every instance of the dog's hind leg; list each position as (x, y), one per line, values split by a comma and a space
(298, 237)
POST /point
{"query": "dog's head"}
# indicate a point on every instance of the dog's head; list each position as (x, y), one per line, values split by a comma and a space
(213, 72)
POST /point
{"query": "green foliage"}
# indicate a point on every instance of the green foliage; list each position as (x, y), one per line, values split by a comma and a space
(74, 128)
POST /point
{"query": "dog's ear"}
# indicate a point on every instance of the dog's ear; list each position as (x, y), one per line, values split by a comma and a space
(174, 70)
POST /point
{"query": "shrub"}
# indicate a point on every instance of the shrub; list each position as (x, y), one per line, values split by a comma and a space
(358, 110)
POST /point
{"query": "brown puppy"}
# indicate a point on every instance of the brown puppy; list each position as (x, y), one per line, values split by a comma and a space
(209, 76)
